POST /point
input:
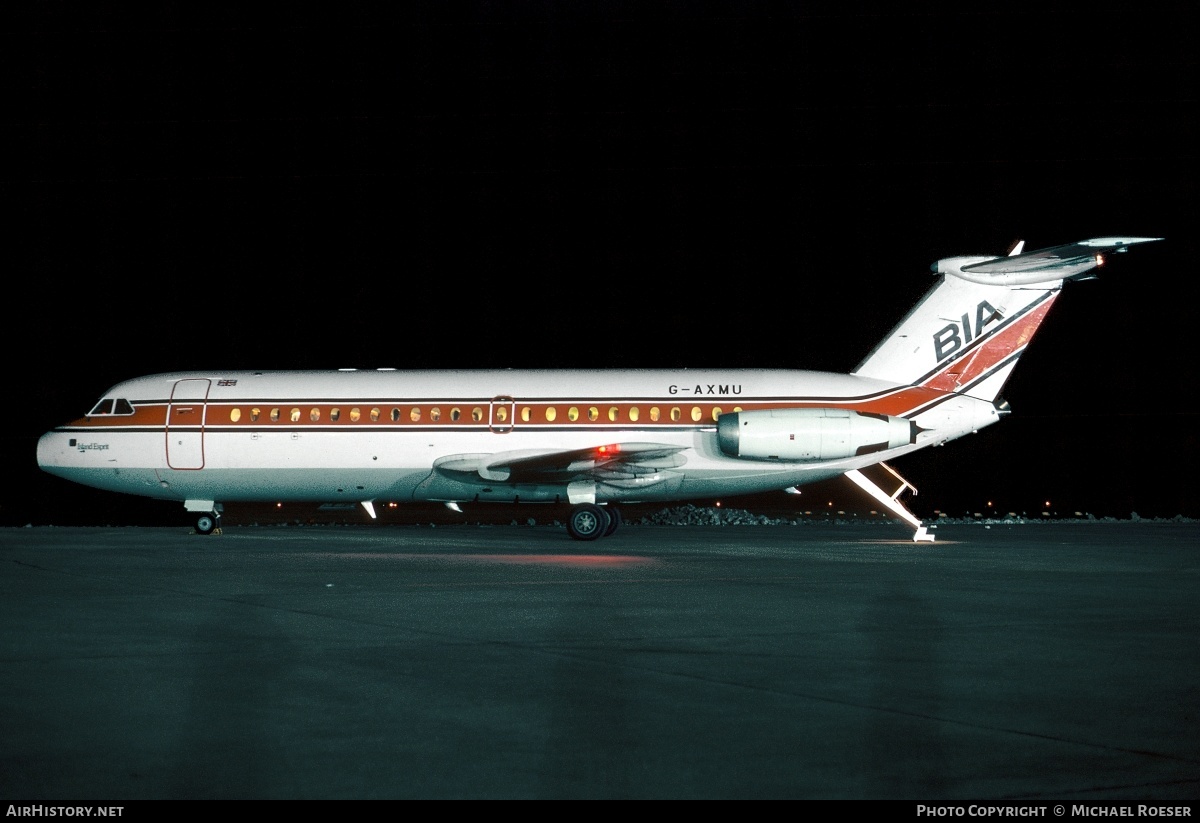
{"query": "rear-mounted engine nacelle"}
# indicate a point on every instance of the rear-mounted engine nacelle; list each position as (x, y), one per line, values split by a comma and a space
(810, 434)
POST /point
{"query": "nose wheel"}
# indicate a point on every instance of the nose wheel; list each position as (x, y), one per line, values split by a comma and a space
(207, 523)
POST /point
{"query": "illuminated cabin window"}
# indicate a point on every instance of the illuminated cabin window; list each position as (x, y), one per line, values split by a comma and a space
(654, 415)
(716, 412)
(435, 414)
(676, 414)
(525, 415)
(593, 413)
(395, 415)
(550, 414)
(274, 415)
(235, 415)
(737, 408)
(314, 415)
(375, 414)
(697, 414)
(255, 413)
(502, 414)
(634, 414)
(335, 414)
(572, 414)
(414, 414)
(295, 415)
(354, 415)
(613, 413)
(455, 414)
(476, 414)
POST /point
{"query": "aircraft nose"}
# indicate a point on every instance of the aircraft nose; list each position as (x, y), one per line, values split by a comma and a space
(51, 449)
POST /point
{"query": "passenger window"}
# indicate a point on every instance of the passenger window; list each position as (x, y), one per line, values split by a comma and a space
(476, 414)
(435, 414)
(314, 415)
(235, 415)
(274, 415)
(696, 413)
(634, 414)
(676, 414)
(354, 415)
(502, 414)
(613, 412)
(255, 413)
(395, 415)
(593, 413)
(525, 415)
(414, 414)
(295, 415)
(375, 415)
(716, 412)
(572, 414)
(335, 414)
(455, 414)
(550, 414)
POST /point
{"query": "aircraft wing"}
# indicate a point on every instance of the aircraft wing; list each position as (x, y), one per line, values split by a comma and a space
(578, 472)
(608, 459)
(564, 465)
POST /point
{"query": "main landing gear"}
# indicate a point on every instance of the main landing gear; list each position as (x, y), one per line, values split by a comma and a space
(588, 521)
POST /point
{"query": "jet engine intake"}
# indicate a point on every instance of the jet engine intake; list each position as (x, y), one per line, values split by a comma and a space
(810, 434)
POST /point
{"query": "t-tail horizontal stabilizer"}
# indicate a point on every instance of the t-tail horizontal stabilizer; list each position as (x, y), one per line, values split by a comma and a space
(1019, 268)
(892, 501)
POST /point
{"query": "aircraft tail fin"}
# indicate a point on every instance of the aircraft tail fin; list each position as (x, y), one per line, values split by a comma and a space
(967, 333)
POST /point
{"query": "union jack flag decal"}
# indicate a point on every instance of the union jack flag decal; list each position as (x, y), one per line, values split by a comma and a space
(226, 382)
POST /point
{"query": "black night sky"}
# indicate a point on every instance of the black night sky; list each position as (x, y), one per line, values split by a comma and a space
(603, 184)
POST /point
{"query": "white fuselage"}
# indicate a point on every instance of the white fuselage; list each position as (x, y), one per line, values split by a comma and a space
(358, 436)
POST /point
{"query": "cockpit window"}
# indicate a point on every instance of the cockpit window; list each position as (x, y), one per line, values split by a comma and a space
(110, 406)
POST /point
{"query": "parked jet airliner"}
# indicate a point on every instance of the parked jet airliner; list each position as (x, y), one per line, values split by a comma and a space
(594, 439)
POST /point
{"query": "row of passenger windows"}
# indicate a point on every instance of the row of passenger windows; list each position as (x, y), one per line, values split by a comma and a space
(478, 414)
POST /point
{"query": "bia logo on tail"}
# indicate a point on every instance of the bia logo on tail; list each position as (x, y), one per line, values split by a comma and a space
(951, 338)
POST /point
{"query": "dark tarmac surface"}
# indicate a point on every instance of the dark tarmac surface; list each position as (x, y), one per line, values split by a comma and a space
(1038, 662)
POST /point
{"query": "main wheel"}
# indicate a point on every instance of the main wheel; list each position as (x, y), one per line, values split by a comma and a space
(207, 523)
(587, 522)
(614, 519)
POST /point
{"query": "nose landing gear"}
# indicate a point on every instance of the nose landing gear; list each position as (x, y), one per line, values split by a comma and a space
(208, 522)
